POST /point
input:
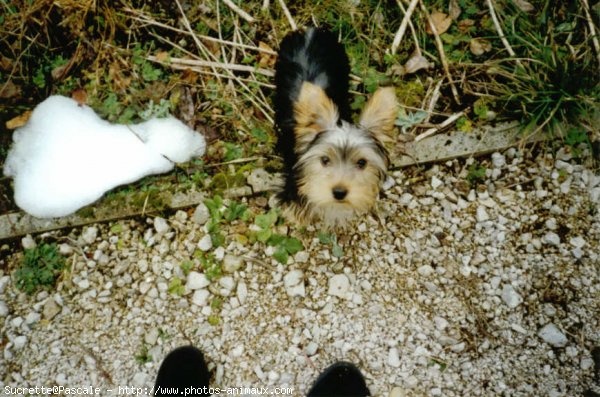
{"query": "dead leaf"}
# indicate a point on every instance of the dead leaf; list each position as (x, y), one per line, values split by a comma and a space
(454, 9)
(440, 21)
(162, 56)
(80, 96)
(479, 46)
(465, 24)
(18, 121)
(60, 71)
(416, 63)
(9, 90)
(524, 5)
(5, 63)
(265, 59)
(189, 76)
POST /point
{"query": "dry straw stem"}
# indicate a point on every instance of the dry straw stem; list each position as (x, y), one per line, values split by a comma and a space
(141, 17)
(586, 8)
(288, 15)
(412, 29)
(441, 126)
(440, 47)
(405, 21)
(505, 42)
(214, 64)
(239, 11)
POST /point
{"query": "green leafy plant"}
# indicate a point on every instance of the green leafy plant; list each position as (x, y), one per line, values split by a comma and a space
(40, 268)
(574, 138)
(212, 268)
(285, 246)
(331, 239)
(176, 287)
(186, 267)
(476, 174)
(143, 356)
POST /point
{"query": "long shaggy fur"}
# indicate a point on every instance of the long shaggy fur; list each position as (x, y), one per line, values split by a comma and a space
(333, 169)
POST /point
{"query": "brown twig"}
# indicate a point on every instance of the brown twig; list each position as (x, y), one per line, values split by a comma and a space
(239, 11)
(211, 64)
(288, 15)
(405, 21)
(586, 8)
(441, 126)
(440, 48)
(498, 27)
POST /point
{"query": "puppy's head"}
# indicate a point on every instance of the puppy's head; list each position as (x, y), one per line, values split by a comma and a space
(341, 165)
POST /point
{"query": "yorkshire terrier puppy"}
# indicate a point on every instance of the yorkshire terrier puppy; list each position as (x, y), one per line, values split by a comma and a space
(333, 169)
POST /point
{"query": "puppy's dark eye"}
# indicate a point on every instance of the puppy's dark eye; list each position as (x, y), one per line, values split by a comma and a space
(325, 161)
(362, 163)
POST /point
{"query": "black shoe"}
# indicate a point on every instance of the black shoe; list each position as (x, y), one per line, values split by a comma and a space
(342, 379)
(183, 372)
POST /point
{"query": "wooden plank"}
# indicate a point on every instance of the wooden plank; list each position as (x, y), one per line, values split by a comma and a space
(19, 223)
(455, 144)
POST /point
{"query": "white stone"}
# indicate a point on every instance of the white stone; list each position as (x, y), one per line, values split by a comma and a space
(227, 282)
(296, 290)
(261, 180)
(151, 336)
(552, 335)
(397, 392)
(84, 284)
(292, 278)
(231, 263)
(140, 379)
(32, 318)
(61, 379)
(482, 215)
(425, 270)
(498, 160)
(242, 292)
(219, 253)
(339, 285)
(435, 182)
(200, 297)
(551, 224)
(511, 297)
(19, 342)
(196, 281)
(394, 357)
(201, 214)
(237, 351)
(586, 363)
(301, 257)
(3, 309)
(89, 234)
(440, 323)
(160, 225)
(311, 349)
(51, 309)
(551, 238)
(205, 243)
(577, 242)
(28, 242)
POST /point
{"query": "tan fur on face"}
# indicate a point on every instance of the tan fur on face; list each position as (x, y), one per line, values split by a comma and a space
(314, 113)
(379, 114)
(362, 185)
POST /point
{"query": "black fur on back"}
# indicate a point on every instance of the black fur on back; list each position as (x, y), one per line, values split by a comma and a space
(315, 56)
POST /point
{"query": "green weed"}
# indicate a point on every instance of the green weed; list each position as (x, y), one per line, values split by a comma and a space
(40, 268)
(476, 174)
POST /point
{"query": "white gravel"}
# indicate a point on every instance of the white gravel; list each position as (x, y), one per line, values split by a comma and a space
(452, 291)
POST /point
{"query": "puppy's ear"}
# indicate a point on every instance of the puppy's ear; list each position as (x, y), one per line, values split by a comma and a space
(314, 113)
(379, 114)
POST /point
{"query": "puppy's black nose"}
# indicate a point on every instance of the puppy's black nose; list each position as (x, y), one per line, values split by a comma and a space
(339, 193)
